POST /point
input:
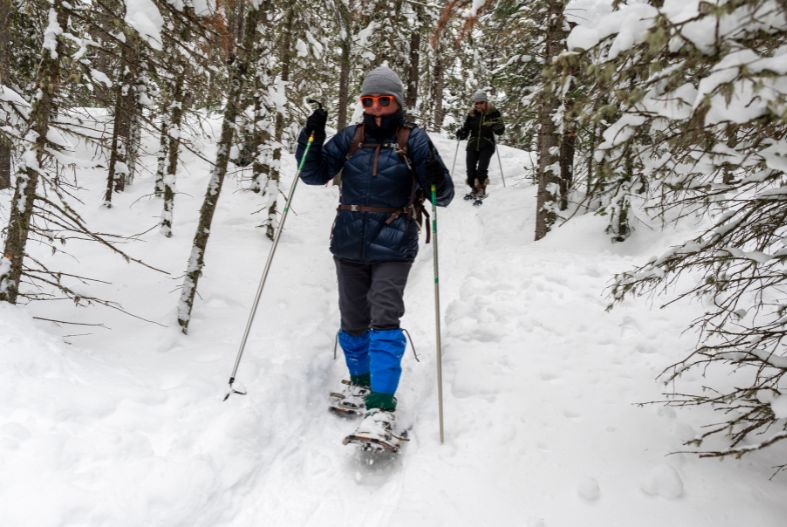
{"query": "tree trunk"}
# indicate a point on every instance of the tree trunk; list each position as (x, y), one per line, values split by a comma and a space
(285, 58)
(47, 84)
(619, 226)
(415, 57)
(5, 165)
(568, 142)
(568, 138)
(589, 182)
(265, 111)
(438, 85)
(127, 146)
(116, 156)
(125, 106)
(178, 104)
(197, 260)
(5, 148)
(567, 148)
(548, 137)
(344, 67)
(173, 147)
(163, 152)
(259, 145)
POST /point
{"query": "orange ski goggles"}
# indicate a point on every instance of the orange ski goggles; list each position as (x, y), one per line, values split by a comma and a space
(367, 101)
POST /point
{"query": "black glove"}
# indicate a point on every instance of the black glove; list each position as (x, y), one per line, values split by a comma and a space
(498, 128)
(461, 134)
(316, 122)
(434, 172)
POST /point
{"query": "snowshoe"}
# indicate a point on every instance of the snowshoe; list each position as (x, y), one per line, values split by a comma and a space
(350, 401)
(469, 196)
(480, 193)
(376, 433)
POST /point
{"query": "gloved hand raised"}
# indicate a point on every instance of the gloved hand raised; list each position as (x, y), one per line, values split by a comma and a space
(316, 122)
(461, 134)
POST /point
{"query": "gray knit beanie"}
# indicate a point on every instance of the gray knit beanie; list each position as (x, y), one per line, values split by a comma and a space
(384, 81)
(480, 96)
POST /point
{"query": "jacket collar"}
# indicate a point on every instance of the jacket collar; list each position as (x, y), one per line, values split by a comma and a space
(388, 126)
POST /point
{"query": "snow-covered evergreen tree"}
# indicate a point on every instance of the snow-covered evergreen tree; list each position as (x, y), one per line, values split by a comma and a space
(699, 96)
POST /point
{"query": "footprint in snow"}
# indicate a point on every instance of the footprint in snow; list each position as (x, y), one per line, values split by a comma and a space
(548, 376)
(663, 480)
(588, 489)
(13, 434)
(646, 349)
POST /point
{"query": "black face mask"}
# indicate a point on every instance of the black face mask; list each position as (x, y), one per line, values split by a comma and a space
(388, 124)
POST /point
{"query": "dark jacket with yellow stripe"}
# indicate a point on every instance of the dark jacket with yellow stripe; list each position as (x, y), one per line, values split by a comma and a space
(481, 127)
(368, 237)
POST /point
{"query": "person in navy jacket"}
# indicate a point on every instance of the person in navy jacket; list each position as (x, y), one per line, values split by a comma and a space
(386, 164)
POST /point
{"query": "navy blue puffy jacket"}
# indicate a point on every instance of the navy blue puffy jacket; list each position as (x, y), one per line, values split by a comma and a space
(364, 236)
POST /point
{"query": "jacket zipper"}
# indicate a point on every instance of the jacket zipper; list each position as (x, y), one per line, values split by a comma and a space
(480, 125)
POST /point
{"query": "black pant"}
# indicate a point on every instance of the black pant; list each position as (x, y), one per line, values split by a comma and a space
(478, 165)
(371, 295)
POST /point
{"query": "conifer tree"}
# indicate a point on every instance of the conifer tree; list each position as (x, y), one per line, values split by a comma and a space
(42, 209)
(549, 139)
(34, 161)
(273, 90)
(177, 102)
(700, 133)
(126, 111)
(518, 26)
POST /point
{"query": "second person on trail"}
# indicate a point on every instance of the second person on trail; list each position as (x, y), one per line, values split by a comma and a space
(385, 162)
(481, 125)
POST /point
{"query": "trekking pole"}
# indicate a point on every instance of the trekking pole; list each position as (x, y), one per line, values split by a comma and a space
(456, 152)
(437, 314)
(268, 267)
(501, 166)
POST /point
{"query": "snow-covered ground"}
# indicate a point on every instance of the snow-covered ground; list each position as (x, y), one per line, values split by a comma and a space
(124, 425)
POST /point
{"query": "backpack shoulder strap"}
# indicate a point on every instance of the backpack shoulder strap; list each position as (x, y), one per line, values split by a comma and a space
(417, 197)
(357, 141)
(402, 137)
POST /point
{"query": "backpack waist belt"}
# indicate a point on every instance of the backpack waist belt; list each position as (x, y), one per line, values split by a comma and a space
(411, 211)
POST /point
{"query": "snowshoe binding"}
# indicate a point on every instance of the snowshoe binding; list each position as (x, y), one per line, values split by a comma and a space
(350, 401)
(376, 433)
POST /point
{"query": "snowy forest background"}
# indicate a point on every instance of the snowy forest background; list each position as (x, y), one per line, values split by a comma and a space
(649, 114)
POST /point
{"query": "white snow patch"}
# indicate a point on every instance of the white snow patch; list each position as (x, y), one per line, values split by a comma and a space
(145, 18)
(779, 407)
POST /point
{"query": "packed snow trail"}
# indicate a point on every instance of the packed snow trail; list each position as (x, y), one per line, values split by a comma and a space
(126, 427)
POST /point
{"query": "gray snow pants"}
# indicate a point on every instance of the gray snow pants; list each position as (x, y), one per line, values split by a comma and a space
(371, 295)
